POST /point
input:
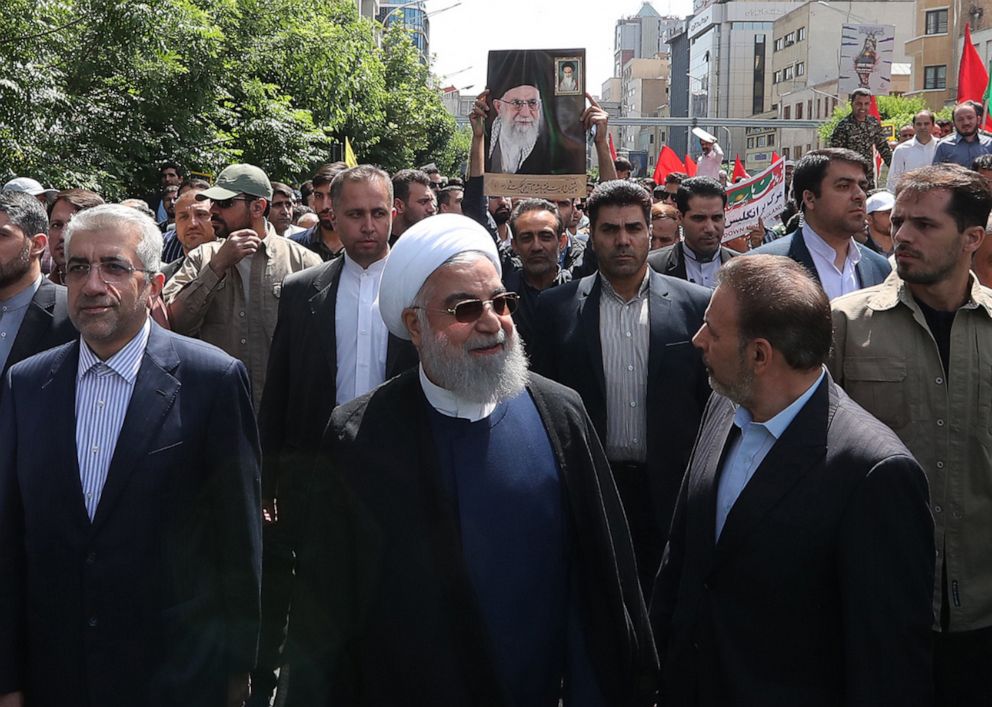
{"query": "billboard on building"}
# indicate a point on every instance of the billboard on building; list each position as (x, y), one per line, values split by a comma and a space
(866, 58)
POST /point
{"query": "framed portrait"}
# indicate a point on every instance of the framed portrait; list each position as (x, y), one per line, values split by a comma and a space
(535, 140)
(568, 77)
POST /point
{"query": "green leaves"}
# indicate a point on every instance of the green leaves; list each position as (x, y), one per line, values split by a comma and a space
(97, 92)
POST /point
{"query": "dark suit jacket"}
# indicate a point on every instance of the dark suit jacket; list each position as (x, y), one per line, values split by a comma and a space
(818, 590)
(45, 325)
(301, 382)
(671, 259)
(567, 349)
(872, 269)
(156, 601)
(384, 612)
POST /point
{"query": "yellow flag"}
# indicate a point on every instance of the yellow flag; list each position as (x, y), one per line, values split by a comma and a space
(349, 154)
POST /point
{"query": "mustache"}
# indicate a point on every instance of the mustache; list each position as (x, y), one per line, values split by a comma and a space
(483, 341)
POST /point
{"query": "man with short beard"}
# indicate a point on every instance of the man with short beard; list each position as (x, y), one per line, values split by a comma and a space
(322, 239)
(465, 541)
(413, 200)
(33, 312)
(966, 144)
(620, 339)
(800, 565)
(915, 352)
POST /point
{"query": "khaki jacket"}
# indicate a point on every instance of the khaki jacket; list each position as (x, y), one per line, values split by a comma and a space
(886, 359)
(210, 307)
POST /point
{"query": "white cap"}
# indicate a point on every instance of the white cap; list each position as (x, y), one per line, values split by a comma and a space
(29, 186)
(703, 135)
(421, 250)
(880, 201)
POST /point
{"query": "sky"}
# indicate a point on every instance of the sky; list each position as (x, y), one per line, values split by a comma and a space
(462, 36)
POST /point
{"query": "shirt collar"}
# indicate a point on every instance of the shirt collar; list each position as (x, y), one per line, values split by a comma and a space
(450, 405)
(691, 255)
(23, 298)
(351, 267)
(894, 290)
(124, 363)
(819, 246)
(780, 423)
(640, 290)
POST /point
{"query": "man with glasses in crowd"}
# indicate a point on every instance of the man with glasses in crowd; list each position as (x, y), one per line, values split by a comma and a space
(227, 291)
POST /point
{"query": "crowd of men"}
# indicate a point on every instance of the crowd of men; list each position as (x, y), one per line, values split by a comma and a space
(387, 439)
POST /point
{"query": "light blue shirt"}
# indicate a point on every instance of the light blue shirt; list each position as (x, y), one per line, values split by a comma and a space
(12, 313)
(750, 449)
(103, 393)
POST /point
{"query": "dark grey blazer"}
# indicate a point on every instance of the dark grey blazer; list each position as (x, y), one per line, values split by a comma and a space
(872, 269)
(45, 325)
(671, 259)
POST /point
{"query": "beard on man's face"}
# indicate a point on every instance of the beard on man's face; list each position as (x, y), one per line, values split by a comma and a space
(16, 269)
(492, 378)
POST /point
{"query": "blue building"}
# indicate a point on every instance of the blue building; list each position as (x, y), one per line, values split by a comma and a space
(413, 17)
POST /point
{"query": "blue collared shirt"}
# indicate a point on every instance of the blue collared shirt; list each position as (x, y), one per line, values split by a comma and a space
(750, 449)
(103, 393)
(955, 148)
(12, 313)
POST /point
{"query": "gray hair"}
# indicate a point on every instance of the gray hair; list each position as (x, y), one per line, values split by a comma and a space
(117, 217)
(25, 212)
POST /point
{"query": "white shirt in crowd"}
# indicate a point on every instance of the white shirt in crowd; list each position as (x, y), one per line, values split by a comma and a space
(360, 334)
(710, 164)
(908, 156)
(835, 282)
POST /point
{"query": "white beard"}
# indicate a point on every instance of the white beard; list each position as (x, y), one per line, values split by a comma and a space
(490, 379)
(515, 142)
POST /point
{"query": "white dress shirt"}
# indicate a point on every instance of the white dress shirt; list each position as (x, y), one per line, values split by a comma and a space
(103, 393)
(834, 282)
(699, 272)
(710, 164)
(908, 156)
(360, 333)
(450, 405)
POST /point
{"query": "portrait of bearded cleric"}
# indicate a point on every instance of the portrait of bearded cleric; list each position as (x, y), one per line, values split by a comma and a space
(532, 129)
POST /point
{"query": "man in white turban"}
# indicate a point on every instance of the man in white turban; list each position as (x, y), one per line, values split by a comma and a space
(465, 543)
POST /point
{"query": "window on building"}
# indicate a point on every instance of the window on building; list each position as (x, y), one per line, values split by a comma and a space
(801, 68)
(777, 78)
(800, 34)
(779, 43)
(798, 151)
(785, 153)
(799, 111)
(750, 143)
(818, 108)
(787, 73)
(936, 21)
(809, 108)
(771, 140)
(760, 141)
(787, 113)
(790, 39)
(934, 77)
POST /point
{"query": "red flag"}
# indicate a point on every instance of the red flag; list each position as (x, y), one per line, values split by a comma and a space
(690, 165)
(972, 75)
(668, 162)
(739, 172)
(613, 150)
(775, 157)
(877, 162)
(873, 110)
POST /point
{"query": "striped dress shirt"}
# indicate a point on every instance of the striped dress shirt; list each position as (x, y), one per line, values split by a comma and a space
(625, 336)
(103, 392)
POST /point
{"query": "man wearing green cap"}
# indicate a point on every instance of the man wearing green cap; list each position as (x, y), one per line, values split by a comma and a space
(227, 292)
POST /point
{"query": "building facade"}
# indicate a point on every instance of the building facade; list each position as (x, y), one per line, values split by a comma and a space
(413, 17)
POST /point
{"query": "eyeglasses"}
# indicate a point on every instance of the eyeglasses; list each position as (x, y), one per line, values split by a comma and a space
(531, 103)
(468, 311)
(666, 196)
(227, 203)
(111, 272)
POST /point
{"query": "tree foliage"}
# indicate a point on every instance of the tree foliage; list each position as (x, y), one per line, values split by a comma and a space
(96, 93)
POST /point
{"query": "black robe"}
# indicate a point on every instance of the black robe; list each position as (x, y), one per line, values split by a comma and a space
(384, 612)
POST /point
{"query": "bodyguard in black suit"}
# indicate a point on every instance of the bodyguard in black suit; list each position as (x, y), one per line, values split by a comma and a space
(131, 555)
(698, 257)
(830, 189)
(800, 565)
(622, 339)
(304, 368)
(33, 313)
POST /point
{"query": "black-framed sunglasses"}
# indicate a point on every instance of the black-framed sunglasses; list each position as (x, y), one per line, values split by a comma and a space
(227, 203)
(468, 311)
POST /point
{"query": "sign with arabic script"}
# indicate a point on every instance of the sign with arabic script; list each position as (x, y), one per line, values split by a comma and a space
(761, 196)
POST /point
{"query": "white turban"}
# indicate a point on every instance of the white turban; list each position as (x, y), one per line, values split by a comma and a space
(421, 250)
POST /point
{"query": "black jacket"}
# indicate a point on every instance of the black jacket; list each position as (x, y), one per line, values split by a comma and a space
(45, 325)
(384, 612)
(671, 259)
